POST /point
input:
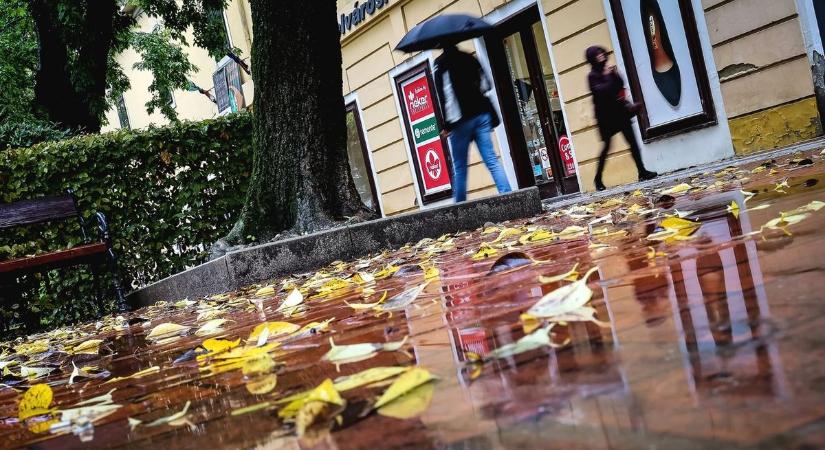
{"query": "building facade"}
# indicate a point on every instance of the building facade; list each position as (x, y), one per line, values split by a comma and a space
(717, 78)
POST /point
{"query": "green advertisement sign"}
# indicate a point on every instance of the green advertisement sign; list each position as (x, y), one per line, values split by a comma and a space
(425, 130)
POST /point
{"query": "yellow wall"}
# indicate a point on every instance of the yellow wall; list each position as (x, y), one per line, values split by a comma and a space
(189, 105)
(764, 71)
(367, 59)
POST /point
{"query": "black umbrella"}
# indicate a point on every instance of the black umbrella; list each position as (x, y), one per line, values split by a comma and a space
(441, 30)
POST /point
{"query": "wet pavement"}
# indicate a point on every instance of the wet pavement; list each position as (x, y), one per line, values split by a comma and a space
(703, 331)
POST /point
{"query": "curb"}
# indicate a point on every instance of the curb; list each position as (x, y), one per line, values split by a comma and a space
(255, 264)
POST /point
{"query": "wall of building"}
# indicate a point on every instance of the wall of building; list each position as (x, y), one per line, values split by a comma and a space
(189, 105)
(764, 71)
(368, 57)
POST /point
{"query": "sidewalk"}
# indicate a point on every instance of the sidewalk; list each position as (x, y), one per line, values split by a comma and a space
(671, 177)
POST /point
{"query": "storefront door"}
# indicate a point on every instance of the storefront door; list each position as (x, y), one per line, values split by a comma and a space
(530, 106)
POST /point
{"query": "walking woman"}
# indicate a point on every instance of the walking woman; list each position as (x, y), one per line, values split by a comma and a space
(613, 111)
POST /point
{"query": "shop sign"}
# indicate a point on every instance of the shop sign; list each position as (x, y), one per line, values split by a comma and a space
(359, 13)
(566, 151)
(434, 173)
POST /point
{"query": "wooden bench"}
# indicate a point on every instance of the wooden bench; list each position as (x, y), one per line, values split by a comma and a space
(94, 252)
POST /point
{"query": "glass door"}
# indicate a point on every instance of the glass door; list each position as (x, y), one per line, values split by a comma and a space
(531, 109)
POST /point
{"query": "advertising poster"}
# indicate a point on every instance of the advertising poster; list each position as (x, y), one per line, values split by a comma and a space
(664, 63)
(423, 126)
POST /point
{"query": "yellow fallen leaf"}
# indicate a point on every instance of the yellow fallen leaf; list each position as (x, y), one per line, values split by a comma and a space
(612, 202)
(536, 236)
(564, 298)
(485, 251)
(210, 327)
(678, 189)
(92, 347)
(733, 208)
(324, 392)
(410, 405)
(529, 323)
(166, 330)
(385, 272)
(572, 232)
(250, 409)
(780, 187)
(36, 401)
(259, 364)
(414, 377)
(292, 300)
(758, 169)
(431, 273)
(570, 275)
(264, 291)
(363, 278)
(219, 345)
(652, 253)
(507, 232)
(171, 418)
(275, 329)
(368, 376)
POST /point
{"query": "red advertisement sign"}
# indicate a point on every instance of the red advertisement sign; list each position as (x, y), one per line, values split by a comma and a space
(566, 151)
(418, 98)
(433, 165)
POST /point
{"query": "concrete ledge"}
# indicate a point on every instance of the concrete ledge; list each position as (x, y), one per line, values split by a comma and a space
(266, 261)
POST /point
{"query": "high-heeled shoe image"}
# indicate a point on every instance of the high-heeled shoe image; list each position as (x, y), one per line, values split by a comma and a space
(663, 63)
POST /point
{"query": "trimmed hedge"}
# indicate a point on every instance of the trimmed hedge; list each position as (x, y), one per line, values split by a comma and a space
(168, 193)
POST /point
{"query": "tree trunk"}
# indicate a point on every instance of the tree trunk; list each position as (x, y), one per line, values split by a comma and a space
(75, 102)
(301, 178)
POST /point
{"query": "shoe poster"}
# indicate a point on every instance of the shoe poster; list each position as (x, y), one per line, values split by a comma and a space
(664, 62)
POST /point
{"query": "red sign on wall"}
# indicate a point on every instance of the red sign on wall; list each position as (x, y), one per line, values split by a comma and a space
(418, 98)
(566, 151)
(433, 166)
(424, 131)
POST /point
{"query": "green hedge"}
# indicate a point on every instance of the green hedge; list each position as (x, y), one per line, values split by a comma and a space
(168, 193)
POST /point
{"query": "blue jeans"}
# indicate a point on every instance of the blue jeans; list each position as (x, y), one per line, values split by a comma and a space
(475, 128)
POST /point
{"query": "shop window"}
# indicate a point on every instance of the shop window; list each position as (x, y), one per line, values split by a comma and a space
(359, 161)
(122, 114)
(228, 90)
(423, 124)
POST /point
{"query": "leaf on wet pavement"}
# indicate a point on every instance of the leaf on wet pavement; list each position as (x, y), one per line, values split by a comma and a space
(173, 419)
(403, 299)
(274, 330)
(35, 401)
(264, 291)
(211, 327)
(733, 208)
(258, 364)
(250, 409)
(572, 232)
(484, 251)
(410, 405)
(345, 354)
(678, 189)
(564, 299)
(92, 347)
(537, 339)
(536, 237)
(570, 275)
(292, 301)
(409, 380)
(166, 330)
(368, 376)
(219, 345)
(263, 384)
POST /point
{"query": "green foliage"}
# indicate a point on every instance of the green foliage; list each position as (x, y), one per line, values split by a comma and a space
(25, 133)
(169, 65)
(168, 193)
(18, 60)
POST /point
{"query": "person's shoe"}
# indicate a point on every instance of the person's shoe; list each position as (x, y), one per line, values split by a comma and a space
(599, 185)
(647, 175)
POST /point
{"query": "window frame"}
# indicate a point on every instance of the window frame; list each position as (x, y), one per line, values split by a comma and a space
(351, 105)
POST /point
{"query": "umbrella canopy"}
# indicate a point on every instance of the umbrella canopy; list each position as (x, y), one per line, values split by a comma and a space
(443, 29)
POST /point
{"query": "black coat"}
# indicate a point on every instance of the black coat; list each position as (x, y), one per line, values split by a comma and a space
(465, 74)
(611, 111)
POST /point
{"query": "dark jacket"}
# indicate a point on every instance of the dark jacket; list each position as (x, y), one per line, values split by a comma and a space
(611, 110)
(466, 80)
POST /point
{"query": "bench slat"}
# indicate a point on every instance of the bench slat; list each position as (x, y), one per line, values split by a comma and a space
(29, 212)
(72, 256)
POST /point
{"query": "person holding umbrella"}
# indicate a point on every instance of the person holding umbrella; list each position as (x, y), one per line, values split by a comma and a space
(462, 85)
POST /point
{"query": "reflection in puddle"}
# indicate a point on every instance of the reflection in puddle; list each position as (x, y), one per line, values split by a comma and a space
(713, 340)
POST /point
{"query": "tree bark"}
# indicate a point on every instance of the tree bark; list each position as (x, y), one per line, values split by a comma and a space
(76, 102)
(301, 178)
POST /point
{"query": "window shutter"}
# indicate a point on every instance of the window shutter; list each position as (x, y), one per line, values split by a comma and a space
(221, 89)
